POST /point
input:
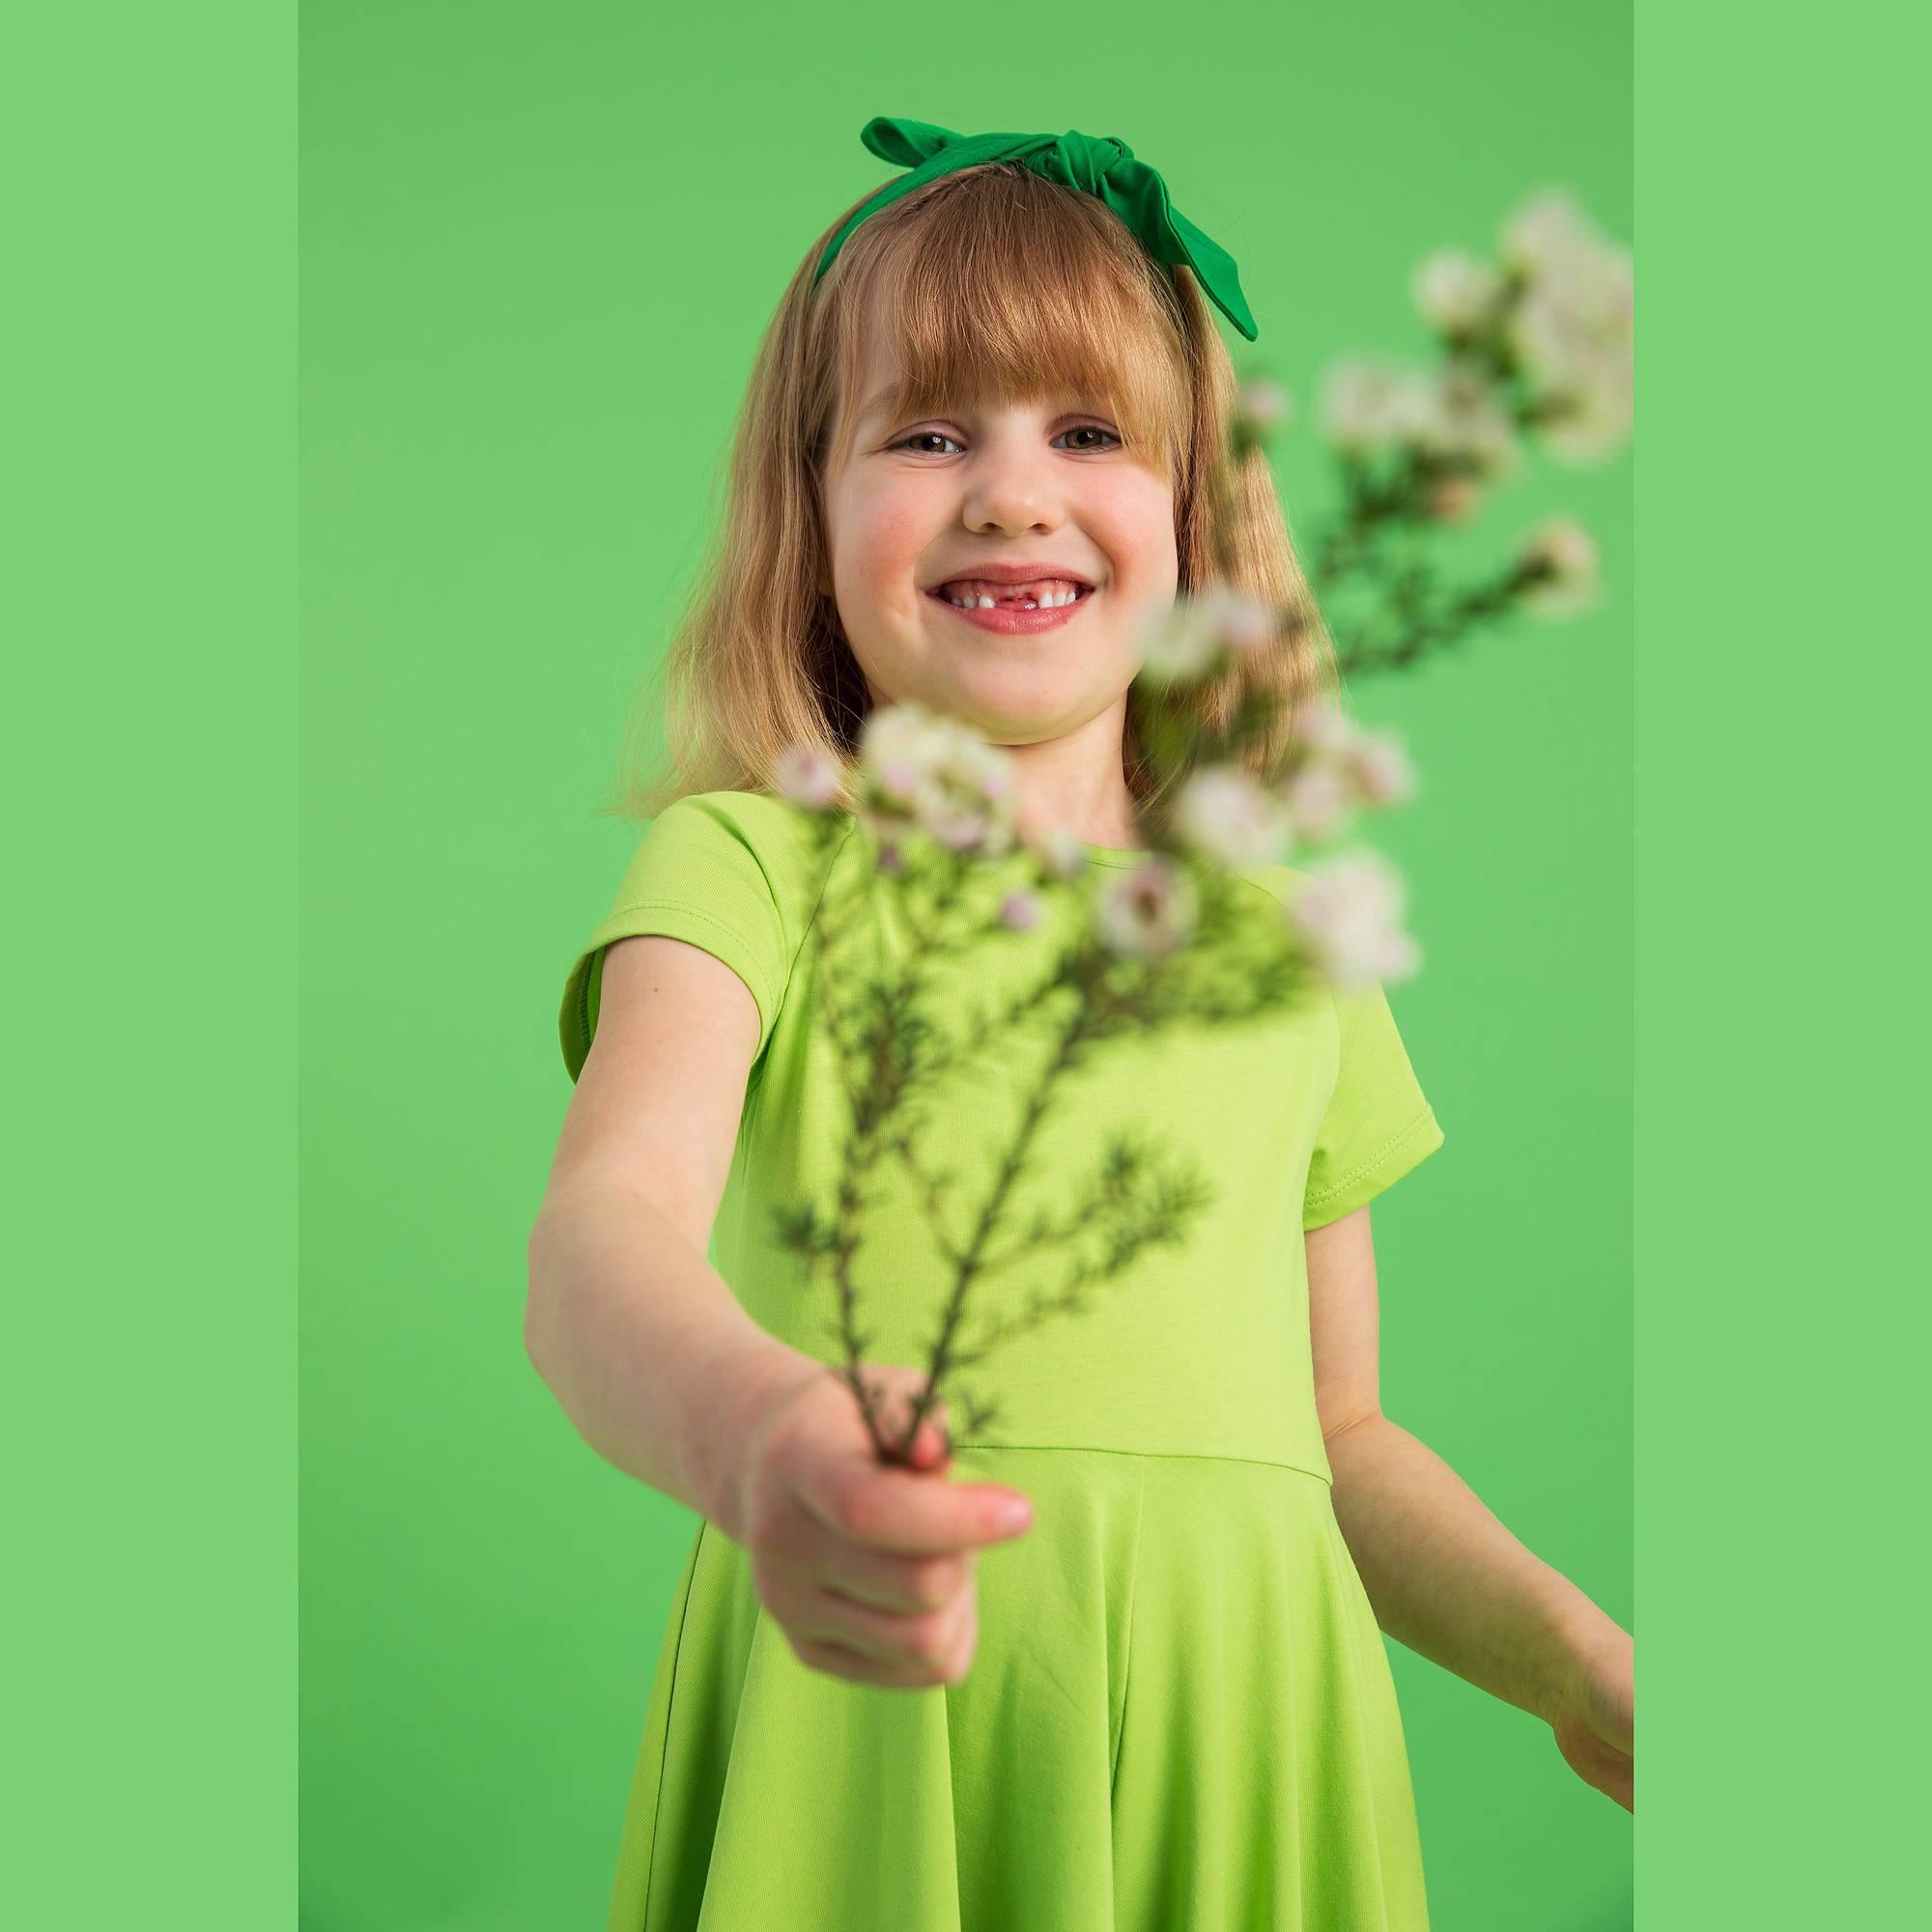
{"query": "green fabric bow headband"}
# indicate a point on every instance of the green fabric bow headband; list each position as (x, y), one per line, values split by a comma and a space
(1099, 165)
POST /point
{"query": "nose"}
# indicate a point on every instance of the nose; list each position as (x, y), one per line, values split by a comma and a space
(1013, 488)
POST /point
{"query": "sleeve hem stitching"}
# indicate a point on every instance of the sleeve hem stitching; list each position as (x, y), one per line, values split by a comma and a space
(1374, 1161)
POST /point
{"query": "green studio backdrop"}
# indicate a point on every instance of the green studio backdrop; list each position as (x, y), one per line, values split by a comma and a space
(538, 251)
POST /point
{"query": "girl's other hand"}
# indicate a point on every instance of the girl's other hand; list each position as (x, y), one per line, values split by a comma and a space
(1594, 1719)
(867, 1566)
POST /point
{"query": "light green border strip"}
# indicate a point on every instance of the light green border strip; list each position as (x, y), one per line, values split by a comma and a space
(1781, 689)
(150, 1334)
(1780, 1039)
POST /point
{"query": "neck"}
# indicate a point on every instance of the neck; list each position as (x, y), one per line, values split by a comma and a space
(1076, 783)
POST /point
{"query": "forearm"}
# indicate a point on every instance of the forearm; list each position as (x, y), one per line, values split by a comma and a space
(1447, 1579)
(645, 1346)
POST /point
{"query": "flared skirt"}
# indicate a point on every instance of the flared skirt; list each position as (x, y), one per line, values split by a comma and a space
(1178, 1717)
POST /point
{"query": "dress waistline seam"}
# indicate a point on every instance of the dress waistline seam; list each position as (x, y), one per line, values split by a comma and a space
(965, 1444)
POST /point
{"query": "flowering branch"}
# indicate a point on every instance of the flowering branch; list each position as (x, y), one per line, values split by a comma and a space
(1535, 348)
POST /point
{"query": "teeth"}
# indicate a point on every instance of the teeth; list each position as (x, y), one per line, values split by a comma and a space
(1053, 600)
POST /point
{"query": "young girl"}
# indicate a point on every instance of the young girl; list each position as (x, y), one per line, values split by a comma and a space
(1170, 1706)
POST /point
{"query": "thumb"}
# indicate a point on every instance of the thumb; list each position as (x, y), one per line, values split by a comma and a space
(897, 1385)
(928, 1447)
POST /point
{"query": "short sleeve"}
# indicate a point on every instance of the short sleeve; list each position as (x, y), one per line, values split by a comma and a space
(1378, 1125)
(696, 875)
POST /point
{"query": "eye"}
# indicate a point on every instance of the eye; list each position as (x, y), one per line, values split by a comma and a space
(1091, 428)
(922, 434)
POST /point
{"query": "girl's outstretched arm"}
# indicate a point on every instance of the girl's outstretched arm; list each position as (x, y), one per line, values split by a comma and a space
(1444, 1575)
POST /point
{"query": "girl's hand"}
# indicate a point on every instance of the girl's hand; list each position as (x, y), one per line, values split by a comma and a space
(1595, 1719)
(867, 1566)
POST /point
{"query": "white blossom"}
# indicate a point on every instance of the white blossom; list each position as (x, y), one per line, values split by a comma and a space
(807, 776)
(1379, 765)
(1465, 419)
(930, 771)
(1149, 912)
(1595, 417)
(1225, 815)
(1180, 644)
(1571, 330)
(1350, 913)
(1242, 621)
(1192, 636)
(900, 749)
(1545, 232)
(1060, 852)
(1454, 291)
(1321, 725)
(1020, 910)
(1265, 404)
(1573, 342)
(1563, 558)
(1369, 402)
(1318, 798)
(957, 823)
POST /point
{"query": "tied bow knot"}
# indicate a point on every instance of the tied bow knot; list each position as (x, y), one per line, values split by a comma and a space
(1099, 165)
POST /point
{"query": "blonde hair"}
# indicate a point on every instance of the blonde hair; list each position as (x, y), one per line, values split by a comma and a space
(1001, 285)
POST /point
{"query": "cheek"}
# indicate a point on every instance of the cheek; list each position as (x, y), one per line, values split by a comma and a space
(1134, 518)
(884, 542)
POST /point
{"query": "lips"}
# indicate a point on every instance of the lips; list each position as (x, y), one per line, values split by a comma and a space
(1012, 618)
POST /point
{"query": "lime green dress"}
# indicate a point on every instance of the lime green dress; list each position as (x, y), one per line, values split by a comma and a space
(1180, 1712)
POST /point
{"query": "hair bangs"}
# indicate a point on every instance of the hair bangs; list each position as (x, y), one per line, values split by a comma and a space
(1005, 288)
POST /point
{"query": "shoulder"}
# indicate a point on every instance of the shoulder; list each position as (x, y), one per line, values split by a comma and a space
(753, 809)
(1281, 882)
(752, 851)
(782, 836)
(750, 815)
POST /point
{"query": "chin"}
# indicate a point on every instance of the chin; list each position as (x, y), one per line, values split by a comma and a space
(1023, 703)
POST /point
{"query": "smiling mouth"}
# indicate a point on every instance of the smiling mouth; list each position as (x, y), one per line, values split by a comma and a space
(1081, 593)
(1017, 617)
